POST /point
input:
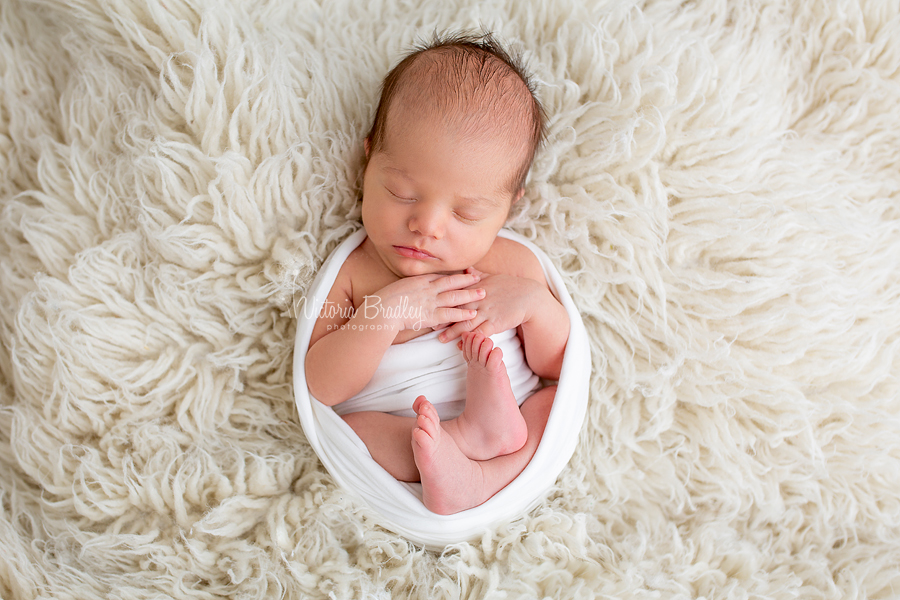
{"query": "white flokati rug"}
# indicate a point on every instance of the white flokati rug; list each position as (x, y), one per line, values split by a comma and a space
(721, 191)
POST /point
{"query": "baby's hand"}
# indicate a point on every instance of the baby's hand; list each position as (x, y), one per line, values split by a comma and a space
(424, 301)
(508, 302)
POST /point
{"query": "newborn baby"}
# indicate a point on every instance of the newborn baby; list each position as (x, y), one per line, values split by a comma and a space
(447, 156)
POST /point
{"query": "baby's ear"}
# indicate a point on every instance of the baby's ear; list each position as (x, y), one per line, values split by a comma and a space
(518, 195)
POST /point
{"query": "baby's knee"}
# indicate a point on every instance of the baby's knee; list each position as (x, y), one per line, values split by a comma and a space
(354, 420)
(545, 395)
(540, 402)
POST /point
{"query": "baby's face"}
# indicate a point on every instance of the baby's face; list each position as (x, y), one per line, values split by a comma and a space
(432, 202)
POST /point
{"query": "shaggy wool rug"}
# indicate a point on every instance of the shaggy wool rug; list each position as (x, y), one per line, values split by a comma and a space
(720, 191)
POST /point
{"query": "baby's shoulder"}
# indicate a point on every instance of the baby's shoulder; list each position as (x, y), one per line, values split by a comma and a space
(362, 273)
(512, 258)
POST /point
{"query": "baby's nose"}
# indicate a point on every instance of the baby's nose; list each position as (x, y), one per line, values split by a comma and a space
(428, 222)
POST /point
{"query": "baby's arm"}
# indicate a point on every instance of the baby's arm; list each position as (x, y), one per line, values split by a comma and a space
(345, 350)
(545, 333)
(521, 300)
(343, 354)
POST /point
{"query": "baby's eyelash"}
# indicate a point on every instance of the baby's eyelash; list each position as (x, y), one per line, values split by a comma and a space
(465, 219)
(398, 196)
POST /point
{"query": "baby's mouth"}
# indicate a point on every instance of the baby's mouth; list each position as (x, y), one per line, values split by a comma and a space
(413, 252)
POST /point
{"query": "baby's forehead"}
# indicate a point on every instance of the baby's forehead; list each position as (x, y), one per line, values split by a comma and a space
(481, 128)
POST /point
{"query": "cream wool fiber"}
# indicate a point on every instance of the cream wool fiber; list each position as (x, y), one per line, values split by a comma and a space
(720, 191)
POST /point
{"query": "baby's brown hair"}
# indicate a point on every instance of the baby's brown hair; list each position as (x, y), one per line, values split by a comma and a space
(455, 71)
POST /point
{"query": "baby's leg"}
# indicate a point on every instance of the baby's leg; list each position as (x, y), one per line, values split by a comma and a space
(387, 438)
(491, 423)
(450, 481)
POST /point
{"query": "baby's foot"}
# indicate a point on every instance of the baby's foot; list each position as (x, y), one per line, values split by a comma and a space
(450, 481)
(491, 424)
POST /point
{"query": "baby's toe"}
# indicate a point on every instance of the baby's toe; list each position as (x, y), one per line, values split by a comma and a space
(484, 349)
(495, 359)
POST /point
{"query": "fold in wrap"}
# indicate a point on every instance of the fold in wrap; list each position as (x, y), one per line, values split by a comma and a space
(400, 504)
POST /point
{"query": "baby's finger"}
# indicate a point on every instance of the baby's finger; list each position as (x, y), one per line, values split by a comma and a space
(454, 315)
(427, 277)
(485, 328)
(457, 281)
(457, 329)
(459, 297)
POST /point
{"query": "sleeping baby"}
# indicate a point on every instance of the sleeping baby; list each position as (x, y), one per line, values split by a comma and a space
(453, 139)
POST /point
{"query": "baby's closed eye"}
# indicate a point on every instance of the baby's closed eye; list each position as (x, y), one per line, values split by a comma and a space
(467, 217)
(399, 196)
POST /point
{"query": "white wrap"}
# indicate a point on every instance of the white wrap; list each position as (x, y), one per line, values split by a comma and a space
(437, 371)
(348, 461)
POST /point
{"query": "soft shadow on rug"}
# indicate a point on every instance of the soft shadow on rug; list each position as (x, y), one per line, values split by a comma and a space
(721, 191)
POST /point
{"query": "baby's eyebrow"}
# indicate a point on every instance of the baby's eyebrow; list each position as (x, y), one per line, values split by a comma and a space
(475, 200)
(399, 172)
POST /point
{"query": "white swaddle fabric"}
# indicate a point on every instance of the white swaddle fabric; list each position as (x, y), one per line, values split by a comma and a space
(424, 366)
(400, 504)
